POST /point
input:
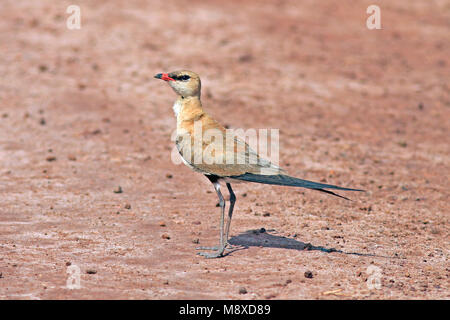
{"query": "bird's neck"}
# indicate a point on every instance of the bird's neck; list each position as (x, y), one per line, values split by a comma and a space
(188, 110)
(184, 106)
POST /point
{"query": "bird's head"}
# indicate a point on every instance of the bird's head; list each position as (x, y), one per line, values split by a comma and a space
(184, 83)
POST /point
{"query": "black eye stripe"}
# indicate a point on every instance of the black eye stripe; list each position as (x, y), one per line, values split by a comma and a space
(182, 77)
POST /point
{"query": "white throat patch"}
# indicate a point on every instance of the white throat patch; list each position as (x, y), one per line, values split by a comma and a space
(177, 107)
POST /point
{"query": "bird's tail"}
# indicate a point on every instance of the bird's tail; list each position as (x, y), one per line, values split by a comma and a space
(283, 180)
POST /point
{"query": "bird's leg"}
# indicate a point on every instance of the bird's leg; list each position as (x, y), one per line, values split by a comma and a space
(218, 252)
(230, 214)
(227, 229)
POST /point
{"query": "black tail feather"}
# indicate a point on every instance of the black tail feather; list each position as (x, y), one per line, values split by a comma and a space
(283, 180)
(332, 193)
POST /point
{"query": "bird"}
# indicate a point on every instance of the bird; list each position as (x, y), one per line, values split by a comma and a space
(236, 162)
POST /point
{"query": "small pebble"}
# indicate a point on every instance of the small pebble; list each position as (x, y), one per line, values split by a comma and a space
(91, 271)
(165, 236)
(51, 158)
(127, 206)
(118, 190)
(308, 274)
(242, 290)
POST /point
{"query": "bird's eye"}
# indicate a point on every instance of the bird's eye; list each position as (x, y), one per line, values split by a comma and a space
(184, 77)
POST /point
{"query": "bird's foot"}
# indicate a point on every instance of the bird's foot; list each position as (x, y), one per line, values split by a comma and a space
(227, 246)
(207, 248)
(211, 255)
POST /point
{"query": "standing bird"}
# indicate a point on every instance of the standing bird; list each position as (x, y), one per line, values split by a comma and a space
(216, 158)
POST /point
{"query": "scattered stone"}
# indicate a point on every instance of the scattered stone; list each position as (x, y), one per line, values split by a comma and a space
(42, 122)
(435, 231)
(72, 157)
(242, 290)
(118, 190)
(127, 206)
(246, 58)
(196, 241)
(308, 274)
(165, 236)
(162, 224)
(68, 263)
(51, 158)
(266, 214)
(169, 176)
(43, 68)
(91, 271)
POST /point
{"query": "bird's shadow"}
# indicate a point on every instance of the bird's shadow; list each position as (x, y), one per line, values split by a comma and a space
(266, 238)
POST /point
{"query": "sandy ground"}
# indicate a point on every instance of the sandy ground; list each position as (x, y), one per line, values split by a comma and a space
(81, 115)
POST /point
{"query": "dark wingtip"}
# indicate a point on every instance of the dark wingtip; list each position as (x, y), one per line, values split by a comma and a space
(334, 194)
(158, 76)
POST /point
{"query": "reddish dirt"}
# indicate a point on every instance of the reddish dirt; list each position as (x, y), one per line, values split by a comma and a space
(81, 115)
